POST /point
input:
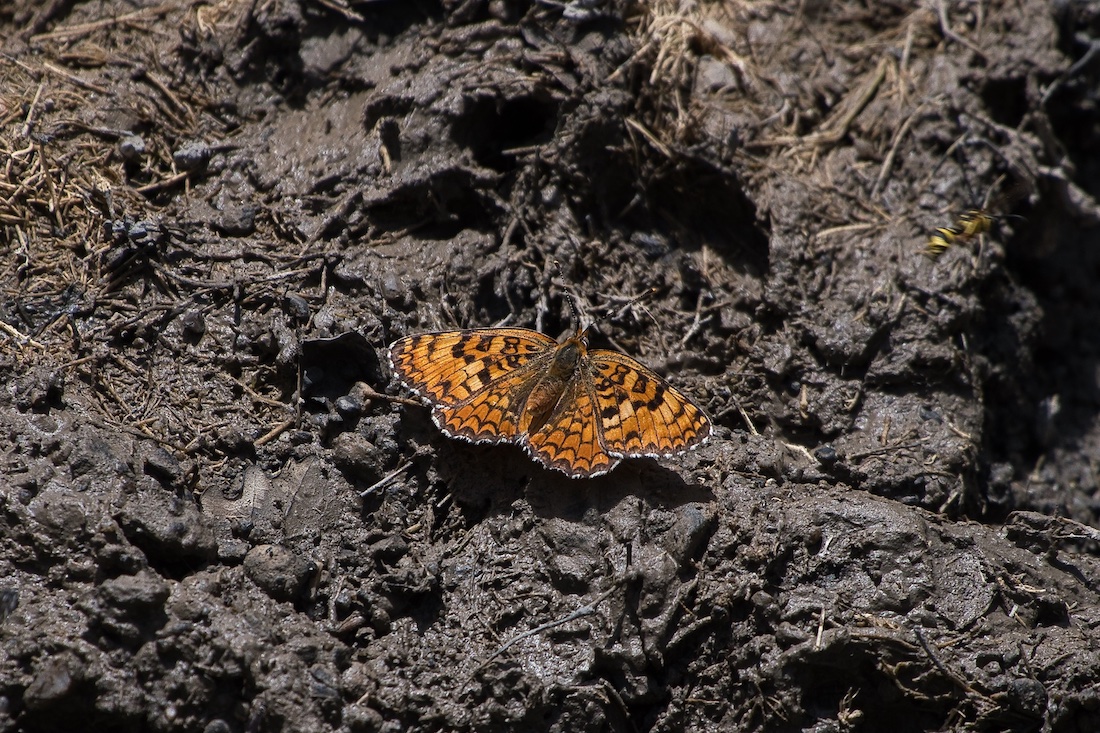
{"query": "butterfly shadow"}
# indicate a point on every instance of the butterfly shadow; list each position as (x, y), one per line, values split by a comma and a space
(553, 494)
(487, 477)
(496, 475)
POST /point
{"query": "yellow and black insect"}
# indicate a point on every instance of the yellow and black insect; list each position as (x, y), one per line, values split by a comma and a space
(969, 225)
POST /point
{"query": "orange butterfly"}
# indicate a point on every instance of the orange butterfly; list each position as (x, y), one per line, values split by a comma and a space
(573, 410)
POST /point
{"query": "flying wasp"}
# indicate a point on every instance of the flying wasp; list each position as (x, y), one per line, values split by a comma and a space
(969, 225)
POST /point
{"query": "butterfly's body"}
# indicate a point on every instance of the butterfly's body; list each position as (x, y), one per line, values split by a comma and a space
(548, 390)
(574, 410)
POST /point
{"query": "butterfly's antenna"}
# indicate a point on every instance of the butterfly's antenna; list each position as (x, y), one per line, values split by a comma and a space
(555, 265)
(630, 303)
(573, 309)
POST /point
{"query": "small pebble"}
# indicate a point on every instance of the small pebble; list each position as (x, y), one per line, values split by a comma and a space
(192, 156)
(826, 454)
(193, 323)
(349, 406)
(296, 307)
(132, 147)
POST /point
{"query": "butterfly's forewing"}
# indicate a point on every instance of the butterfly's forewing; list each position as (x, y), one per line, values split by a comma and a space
(640, 414)
(449, 367)
(477, 380)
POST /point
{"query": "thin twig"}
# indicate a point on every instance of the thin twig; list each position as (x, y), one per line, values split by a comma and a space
(585, 610)
(951, 674)
(888, 163)
(28, 121)
(696, 324)
(384, 480)
(844, 229)
(71, 32)
(369, 394)
(256, 396)
(745, 417)
(638, 126)
(834, 131)
(889, 449)
(74, 78)
(166, 183)
(275, 432)
(945, 29)
(169, 95)
(339, 6)
(19, 336)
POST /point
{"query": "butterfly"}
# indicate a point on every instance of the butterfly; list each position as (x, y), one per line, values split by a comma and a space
(573, 409)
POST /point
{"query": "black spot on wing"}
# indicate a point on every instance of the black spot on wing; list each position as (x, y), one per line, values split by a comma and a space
(658, 398)
(483, 376)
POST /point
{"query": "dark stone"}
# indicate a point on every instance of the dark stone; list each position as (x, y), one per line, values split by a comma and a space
(139, 594)
(192, 156)
(1028, 696)
(54, 680)
(132, 147)
(349, 406)
(193, 323)
(296, 307)
(826, 454)
(236, 220)
(163, 465)
(9, 601)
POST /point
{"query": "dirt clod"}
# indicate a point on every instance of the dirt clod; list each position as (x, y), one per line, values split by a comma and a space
(278, 570)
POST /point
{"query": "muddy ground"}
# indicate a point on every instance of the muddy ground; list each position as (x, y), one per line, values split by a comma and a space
(215, 215)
